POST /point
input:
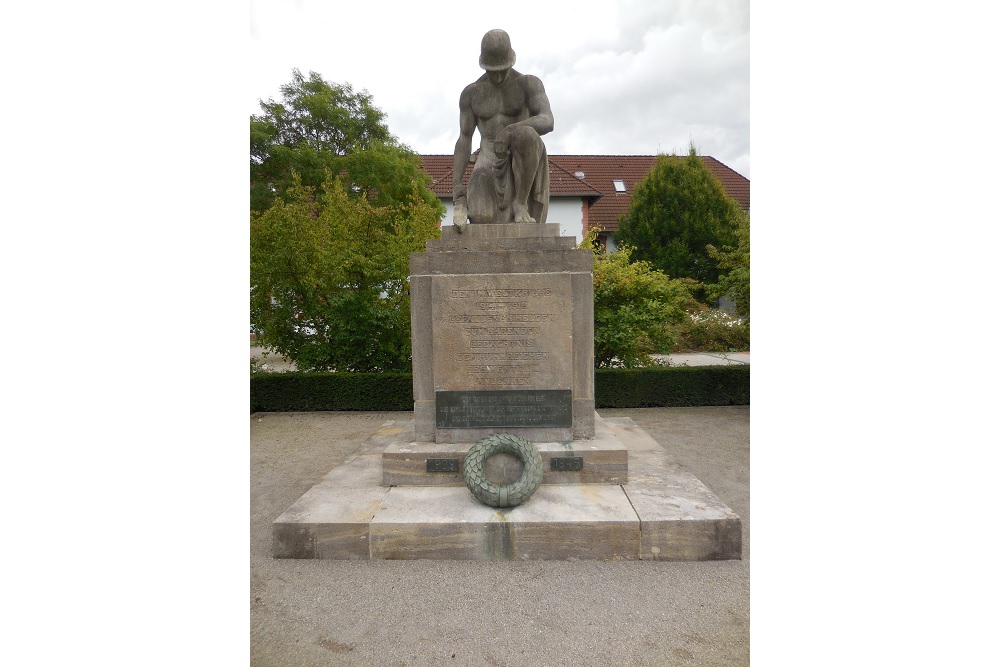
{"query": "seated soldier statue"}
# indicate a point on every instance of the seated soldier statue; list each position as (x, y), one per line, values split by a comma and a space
(510, 179)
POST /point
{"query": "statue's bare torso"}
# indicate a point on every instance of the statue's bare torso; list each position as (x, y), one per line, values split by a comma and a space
(510, 180)
(496, 107)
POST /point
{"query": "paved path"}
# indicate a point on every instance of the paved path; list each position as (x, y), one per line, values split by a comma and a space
(500, 613)
(276, 362)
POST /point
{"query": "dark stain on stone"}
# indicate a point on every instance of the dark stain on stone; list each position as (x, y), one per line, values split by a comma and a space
(335, 647)
(498, 543)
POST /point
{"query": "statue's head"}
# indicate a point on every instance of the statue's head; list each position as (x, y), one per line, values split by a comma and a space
(496, 53)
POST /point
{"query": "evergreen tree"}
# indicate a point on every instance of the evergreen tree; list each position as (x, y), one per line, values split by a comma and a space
(677, 211)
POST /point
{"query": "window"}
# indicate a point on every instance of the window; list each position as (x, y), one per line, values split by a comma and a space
(619, 185)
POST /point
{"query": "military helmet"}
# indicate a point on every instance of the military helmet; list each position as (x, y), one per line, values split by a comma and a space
(496, 52)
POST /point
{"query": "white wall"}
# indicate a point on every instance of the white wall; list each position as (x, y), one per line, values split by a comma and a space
(566, 211)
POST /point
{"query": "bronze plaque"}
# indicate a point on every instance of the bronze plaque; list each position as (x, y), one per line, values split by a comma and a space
(566, 463)
(530, 408)
(442, 465)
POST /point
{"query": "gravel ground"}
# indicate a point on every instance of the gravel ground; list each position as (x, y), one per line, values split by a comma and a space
(506, 613)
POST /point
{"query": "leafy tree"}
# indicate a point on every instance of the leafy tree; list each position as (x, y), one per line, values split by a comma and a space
(734, 263)
(677, 211)
(320, 127)
(328, 276)
(636, 308)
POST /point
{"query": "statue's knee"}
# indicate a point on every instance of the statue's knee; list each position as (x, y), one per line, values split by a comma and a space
(524, 138)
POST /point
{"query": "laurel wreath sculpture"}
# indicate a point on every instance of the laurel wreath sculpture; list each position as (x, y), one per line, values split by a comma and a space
(503, 495)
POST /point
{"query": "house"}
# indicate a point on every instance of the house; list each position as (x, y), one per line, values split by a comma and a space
(587, 191)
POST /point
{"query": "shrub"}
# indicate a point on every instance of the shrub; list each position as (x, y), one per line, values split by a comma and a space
(677, 386)
(713, 331)
(636, 309)
(328, 278)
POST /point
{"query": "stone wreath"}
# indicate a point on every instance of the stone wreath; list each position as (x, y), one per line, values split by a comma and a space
(503, 495)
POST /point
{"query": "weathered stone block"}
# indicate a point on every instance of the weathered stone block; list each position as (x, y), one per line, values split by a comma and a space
(331, 519)
(681, 518)
(405, 464)
(556, 523)
(503, 308)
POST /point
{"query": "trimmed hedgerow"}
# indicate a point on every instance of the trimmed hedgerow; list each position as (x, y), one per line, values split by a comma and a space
(304, 392)
(672, 386)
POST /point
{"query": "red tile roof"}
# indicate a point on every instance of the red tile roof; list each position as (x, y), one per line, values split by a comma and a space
(597, 183)
(561, 182)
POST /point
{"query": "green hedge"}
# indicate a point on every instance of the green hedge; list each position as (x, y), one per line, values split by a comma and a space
(613, 388)
(303, 392)
(672, 387)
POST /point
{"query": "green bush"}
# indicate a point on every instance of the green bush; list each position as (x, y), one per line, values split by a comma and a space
(328, 277)
(712, 331)
(676, 386)
(636, 308)
(305, 392)
(613, 388)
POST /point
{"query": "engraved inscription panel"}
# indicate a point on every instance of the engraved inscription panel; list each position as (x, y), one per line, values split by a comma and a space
(502, 332)
(566, 463)
(504, 409)
(442, 465)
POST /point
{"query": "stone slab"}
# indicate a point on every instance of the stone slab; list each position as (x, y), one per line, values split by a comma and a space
(681, 518)
(556, 260)
(605, 458)
(662, 512)
(331, 520)
(604, 462)
(556, 523)
(491, 244)
(505, 231)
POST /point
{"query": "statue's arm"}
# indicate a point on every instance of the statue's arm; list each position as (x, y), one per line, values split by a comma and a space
(539, 111)
(463, 147)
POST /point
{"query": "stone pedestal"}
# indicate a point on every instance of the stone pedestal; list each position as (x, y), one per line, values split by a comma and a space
(503, 335)
(503, 341)
(662, 512)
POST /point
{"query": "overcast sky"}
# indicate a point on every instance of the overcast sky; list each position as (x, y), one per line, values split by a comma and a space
(633, 77)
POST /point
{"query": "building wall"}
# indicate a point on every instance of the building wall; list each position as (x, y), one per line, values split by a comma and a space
(566, 211)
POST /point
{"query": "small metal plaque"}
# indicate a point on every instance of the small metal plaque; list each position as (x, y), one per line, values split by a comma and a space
(442, 465)
(566, 463)
(528, 408)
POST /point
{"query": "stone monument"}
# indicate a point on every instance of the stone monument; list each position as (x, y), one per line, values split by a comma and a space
(503, 354)
(502, 309)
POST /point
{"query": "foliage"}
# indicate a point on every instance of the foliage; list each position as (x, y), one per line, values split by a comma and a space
(672, 386)
(320, 127)
(329, 277)
(734, 280)
(635, 308)
(677, 211)
(708, 330)
(302, 392)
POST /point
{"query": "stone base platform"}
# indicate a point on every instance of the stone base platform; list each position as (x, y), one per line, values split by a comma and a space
(662, 512)
(601, 460)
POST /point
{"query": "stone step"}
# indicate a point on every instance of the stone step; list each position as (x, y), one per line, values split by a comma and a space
(578, 462)
(600, 460)
(662, 513)
(586, 522)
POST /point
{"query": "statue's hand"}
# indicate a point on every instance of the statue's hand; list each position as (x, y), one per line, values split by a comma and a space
(501, 145)
(461, 217)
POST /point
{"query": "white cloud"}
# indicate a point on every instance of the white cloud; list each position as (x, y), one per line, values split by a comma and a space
(627, 77)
